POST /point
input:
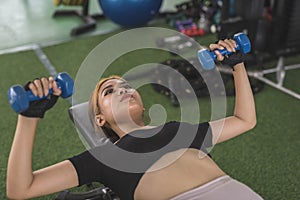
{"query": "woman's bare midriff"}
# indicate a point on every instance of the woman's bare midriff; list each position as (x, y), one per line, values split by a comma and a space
(163, 180)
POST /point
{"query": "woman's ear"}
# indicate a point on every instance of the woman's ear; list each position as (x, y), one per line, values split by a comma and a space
(100, 120)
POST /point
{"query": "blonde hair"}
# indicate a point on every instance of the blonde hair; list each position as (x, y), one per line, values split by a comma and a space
(94, 109)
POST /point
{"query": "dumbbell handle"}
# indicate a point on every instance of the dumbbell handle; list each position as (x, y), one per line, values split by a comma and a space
(32, 97)
(223, 52)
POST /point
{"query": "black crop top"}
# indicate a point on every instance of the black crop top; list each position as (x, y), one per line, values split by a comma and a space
(121, 166)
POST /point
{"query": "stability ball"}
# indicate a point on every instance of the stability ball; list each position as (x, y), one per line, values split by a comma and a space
(130, 13)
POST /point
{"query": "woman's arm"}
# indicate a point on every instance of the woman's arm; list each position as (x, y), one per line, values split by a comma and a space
(244, 117)
(22, 182)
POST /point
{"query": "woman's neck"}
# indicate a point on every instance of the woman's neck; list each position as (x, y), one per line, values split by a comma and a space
(124, 129)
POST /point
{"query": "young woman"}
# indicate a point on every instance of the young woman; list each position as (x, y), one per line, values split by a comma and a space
(189, 176)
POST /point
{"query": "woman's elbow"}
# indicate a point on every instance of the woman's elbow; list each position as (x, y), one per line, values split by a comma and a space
(14, 194)
(248, 124)
(254, 120)
(252, 123)
(11, 195)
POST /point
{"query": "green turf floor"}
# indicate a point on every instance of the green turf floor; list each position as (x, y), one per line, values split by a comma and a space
(266, 158)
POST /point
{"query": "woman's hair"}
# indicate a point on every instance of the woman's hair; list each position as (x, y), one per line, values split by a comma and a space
(94, 109)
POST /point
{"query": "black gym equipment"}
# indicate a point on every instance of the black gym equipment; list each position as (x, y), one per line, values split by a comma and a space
(83, 13)
(187, 72)
(273, 29)
(176, 86)
(100, 193)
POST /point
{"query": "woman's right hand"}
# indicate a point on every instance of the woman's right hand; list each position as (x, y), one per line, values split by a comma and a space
(21, 181)
(40, 87)
(230, 45)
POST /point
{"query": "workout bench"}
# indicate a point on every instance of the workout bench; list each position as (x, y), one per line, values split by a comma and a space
(79, 115)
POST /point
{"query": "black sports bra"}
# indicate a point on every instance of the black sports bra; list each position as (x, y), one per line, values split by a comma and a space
(121, 166)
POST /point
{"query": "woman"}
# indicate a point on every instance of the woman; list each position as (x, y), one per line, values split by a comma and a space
(186, 177)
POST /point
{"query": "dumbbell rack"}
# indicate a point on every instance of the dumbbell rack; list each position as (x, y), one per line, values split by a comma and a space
(280, 71)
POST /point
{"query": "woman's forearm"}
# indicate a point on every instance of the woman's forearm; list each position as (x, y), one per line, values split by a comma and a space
(244, 102)
(244, 117)
(19, 169)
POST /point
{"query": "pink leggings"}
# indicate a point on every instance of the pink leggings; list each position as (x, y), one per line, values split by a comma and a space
(224, 188)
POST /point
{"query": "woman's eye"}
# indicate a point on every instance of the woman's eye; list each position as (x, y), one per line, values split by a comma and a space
(127, 87)
(109, 91)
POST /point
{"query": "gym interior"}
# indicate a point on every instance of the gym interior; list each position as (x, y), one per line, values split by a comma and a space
(42, 38)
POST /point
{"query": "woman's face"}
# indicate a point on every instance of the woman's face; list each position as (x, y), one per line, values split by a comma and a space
(119, 102)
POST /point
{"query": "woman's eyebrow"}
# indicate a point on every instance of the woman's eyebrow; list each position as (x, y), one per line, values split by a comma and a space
(109, 86)
(119, 84)
(123, 83)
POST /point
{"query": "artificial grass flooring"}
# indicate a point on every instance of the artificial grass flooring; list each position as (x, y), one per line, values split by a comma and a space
(265, 158)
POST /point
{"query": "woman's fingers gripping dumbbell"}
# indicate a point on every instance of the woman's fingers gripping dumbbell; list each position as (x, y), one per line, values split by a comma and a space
(228, 44)
(40, 87)
(54, 86)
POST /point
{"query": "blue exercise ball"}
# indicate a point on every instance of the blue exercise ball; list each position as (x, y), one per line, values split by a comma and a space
(130, 13)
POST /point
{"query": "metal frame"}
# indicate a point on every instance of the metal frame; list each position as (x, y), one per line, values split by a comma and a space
(280, 75)
(280, 71)
(89, 20)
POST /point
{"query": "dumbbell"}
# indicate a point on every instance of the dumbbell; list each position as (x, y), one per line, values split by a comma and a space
(19, 98)
(207, 58)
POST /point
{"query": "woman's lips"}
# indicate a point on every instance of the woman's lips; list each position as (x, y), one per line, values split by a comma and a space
(125, 96)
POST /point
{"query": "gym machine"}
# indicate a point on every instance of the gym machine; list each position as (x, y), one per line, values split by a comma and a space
(272, 28)
(83, 13)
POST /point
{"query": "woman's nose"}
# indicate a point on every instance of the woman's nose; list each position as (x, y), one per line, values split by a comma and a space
(122, 91)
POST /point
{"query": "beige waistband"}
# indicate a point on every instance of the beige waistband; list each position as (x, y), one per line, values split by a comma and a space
(204, 188)
(223, 187)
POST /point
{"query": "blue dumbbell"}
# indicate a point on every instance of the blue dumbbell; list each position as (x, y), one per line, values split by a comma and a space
(19, 98)
(207, 58)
